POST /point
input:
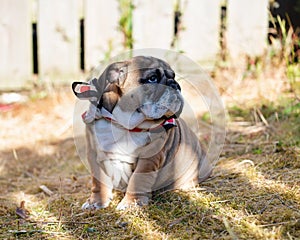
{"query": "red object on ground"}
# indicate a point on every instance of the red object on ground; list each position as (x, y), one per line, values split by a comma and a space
(6, 107)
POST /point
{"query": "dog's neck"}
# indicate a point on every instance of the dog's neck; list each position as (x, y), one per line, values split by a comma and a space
(94, 114)
(165, 125)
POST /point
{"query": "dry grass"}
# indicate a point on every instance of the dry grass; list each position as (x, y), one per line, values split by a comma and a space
(254, 192)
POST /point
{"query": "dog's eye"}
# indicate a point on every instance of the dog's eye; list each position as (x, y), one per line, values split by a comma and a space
(152, 79)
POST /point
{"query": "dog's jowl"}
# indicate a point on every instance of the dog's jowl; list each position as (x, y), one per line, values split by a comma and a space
(136, 141)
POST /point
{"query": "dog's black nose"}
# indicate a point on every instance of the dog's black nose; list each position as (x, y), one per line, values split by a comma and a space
(173, 84)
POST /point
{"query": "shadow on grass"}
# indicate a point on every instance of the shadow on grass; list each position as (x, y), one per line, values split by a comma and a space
(250, 196)
(235, 204)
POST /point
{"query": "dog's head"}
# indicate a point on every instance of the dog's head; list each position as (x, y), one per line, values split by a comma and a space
(142, 87)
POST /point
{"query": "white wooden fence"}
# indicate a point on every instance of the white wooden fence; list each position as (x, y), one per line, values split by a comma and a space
(58, 33)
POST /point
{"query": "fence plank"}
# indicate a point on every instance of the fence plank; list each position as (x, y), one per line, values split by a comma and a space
(247, 27)
(102, 38)
(58, 40)
(199, 38)
(153, 24)
(15, 44)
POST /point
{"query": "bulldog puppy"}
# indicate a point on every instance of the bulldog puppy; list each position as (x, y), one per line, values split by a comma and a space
(136, 142)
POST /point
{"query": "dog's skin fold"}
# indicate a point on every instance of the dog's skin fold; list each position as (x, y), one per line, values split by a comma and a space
(128, 148)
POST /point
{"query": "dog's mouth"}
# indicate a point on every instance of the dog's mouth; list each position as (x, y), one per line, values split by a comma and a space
(162, 102)
(156, 111)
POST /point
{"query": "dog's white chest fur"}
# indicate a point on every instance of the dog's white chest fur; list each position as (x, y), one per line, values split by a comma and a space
(115, 139)
(118, 150)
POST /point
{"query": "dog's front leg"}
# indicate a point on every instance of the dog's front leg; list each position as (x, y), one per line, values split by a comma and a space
(141, 182)
(101, 194)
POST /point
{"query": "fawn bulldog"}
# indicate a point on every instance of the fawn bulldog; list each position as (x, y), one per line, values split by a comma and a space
(136, 142)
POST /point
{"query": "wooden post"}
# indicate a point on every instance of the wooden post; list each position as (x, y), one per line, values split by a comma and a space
(247, 27)
(199, 38)
(102, 36)
(153, 24)
(15, 44)
(58, 40)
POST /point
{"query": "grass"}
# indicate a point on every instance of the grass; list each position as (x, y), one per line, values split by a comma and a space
(254, 192)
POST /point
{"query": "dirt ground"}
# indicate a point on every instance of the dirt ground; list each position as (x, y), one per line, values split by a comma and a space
(254, 192)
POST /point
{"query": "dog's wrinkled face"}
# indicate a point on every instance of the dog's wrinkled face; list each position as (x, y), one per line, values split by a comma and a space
(141, 88)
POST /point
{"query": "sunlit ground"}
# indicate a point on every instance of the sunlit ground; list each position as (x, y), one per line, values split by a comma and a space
(254, 192)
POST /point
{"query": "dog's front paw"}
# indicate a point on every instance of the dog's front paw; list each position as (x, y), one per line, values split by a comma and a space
(88, 205)
(129, 201)
(96, 202)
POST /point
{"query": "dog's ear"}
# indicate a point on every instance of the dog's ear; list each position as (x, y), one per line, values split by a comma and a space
(116, 73)
(111, 81)
(85, 91)
(105, 91)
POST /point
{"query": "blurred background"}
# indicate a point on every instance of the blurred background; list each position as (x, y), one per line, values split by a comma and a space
(53, 41)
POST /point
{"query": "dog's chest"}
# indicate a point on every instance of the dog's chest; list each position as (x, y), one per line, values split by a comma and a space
(118, 150)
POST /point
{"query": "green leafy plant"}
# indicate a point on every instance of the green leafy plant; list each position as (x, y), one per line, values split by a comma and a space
(287, 44)
(125, 22)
